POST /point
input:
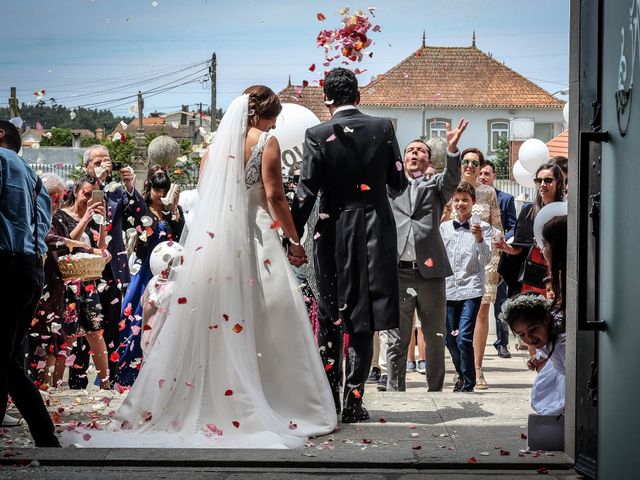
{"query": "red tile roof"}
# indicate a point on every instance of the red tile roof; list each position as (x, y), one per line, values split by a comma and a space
(454, 77)
(311, 97)
(559, 145)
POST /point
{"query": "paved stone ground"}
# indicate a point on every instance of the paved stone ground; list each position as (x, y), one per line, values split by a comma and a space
(407, 430)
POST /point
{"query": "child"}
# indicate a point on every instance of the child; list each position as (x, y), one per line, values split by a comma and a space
(468, 244)
(532, 319)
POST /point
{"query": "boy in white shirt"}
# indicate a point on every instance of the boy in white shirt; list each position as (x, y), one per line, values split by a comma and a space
(468, 244)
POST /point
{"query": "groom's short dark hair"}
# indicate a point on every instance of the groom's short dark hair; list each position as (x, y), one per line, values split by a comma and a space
(341, 86)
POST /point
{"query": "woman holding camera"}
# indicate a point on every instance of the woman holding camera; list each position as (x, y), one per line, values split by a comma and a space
(83, 215)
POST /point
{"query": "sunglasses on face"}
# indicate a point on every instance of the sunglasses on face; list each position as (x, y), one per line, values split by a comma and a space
(475, 163)
(546, 180)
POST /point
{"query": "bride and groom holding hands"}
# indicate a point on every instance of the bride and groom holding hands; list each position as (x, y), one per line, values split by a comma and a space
(236, 364)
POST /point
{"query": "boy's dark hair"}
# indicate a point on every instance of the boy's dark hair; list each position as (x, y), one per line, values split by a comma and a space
(419, 140)
(12, 138)
(341, 86)
(562, 162)
(491, 164)
(466, 187)
(476, 151)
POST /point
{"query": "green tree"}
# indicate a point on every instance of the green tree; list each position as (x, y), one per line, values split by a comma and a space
(502, 158)
(60, 137)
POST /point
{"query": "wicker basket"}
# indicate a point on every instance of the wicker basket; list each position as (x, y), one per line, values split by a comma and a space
(83, 268)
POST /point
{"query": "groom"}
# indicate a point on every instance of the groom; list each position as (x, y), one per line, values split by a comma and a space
(351, 163)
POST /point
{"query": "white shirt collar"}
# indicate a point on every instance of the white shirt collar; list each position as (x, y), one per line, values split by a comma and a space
(344, 107)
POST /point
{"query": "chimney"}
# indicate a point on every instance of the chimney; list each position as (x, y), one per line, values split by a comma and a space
(183, 116)
(99, 134)
(75, 139)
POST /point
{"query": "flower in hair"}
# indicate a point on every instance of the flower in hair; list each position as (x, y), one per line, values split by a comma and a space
(523, 302)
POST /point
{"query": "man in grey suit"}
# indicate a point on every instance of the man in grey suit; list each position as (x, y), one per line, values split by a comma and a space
(423, 264)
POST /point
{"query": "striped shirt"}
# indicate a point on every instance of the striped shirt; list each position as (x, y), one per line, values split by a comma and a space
(467, 258)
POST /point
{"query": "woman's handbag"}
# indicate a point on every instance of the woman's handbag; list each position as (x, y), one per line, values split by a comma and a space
(533, 272)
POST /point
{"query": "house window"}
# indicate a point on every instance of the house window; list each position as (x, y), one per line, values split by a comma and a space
(498, 128)
(543, 131)
(437, 127)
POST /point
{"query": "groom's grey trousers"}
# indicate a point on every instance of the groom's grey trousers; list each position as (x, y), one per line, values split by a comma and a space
(430, 300)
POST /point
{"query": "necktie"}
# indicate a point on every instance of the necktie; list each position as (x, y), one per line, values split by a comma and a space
(457, 225)
(413, 193)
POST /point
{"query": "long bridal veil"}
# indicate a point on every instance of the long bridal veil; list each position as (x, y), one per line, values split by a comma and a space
(200, 385)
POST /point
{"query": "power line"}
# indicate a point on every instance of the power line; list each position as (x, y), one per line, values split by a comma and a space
(138, 83)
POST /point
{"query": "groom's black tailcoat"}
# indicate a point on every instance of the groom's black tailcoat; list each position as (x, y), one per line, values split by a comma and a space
(352, 163)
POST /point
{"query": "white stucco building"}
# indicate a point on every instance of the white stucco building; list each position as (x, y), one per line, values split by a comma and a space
(435, 85)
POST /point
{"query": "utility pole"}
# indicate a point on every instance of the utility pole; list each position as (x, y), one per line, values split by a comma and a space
(140, 155)
(200, 113)
(212, 76)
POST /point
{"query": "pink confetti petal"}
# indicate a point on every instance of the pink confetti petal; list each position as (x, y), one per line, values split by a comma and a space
(331, 138)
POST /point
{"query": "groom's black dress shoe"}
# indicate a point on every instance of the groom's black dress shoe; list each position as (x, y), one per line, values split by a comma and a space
(354, 415)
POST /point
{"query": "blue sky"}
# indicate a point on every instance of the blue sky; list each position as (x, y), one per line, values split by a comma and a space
(75, 48)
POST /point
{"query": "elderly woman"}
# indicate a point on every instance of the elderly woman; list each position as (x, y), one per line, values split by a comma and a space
(47, 339)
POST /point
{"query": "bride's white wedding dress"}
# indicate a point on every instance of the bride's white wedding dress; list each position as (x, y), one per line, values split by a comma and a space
(235, 364)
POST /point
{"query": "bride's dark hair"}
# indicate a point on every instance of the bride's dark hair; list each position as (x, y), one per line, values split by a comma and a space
(263, 103)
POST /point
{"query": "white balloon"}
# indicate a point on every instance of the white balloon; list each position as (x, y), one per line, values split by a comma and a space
(546, 213)
(565, 112)
(523, 176)
(163, 254)
(532, 154)
(291, 125)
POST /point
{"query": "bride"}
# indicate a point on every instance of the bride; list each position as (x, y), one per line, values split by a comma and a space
(235, 364)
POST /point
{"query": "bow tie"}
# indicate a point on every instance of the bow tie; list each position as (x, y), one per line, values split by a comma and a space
(457, 225)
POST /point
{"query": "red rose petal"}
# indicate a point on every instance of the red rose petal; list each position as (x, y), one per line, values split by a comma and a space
(418, 447)
(226, 317)
(429, 262)
(312, 68)
(182, 300)
(236, 424)
(114, 357)
(275, 224)
(321, 17)
(472, 460)
(364, 187)
(237, 328)
(542, 471)
(228, 393)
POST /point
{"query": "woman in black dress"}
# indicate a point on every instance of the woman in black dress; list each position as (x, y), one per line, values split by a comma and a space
(83, 315)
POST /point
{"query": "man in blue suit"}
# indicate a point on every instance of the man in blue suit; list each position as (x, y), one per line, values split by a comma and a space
(508, 216)
(123, 205)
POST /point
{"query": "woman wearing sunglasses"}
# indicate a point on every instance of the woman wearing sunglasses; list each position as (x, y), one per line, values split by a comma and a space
(550, 187)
